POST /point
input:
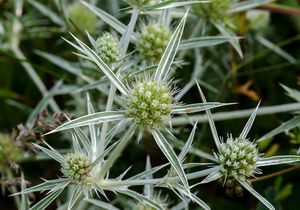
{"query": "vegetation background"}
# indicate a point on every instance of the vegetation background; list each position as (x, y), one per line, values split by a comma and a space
(258, 77)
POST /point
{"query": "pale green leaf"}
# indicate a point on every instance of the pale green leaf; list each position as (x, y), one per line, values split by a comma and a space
(76, 194)
(52, 153)
(143, 199)
(278, 160)
(256, 194)
(206, 41)
(117, 151)
(188, 144)
(47, 185)
(276, 49)
(96, 118)
(171, 156)
(288, 125)
(249, 124)
(109, 19)
(168, 4)
(210, 120)
(101, 204)
(192, 108)
(212, 177)
(167, 58)
(234, 41)
(41, 205)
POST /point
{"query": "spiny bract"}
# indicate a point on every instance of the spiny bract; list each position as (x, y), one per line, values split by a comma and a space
(82, 17)
(214, 10)
(152, 41)
(77, 168)
(238, 158)
(108, 48)
(149, 104)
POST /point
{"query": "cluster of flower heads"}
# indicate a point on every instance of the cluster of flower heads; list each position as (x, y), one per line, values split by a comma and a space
(149, 104)
(238, 157)
(108, 48)
(152, 41)
(77, 168)
(215, 10)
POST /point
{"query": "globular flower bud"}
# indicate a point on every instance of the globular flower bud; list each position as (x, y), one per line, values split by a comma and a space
(152, 42)
(77, 168)
(258, 20)
(214, 10)
(149, 104)
(108, 48)
(81, 17)
(238, 158)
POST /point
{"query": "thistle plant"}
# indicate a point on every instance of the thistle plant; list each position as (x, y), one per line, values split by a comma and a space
(239, 158)
(138, 98)
(148, 103)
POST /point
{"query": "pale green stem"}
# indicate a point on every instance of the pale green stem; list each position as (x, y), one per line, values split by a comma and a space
(110, 184)
(116, 152)
(124, 46)
(237, 114)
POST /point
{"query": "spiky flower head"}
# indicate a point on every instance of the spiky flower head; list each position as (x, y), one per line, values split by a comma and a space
(258, 20)
(81, 17)
(77, 168)
(214, 10)
(108, 48)
(238, 158)
(149, 103)
(152, 41)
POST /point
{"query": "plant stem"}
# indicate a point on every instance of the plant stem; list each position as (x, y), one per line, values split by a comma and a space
(108, 183)
(261, 178)
(237, 114)
(116, 152)
(124, 46)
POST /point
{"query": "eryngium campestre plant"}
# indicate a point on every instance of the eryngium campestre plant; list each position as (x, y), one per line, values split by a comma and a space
(108, 48)
(152, 41)
(239, 158)
(154, 123)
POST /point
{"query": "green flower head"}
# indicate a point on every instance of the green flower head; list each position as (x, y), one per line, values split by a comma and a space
(238, 157)
(108, 48)
(82, 17)
(77, 168)
(149, 104)
(152, 41)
